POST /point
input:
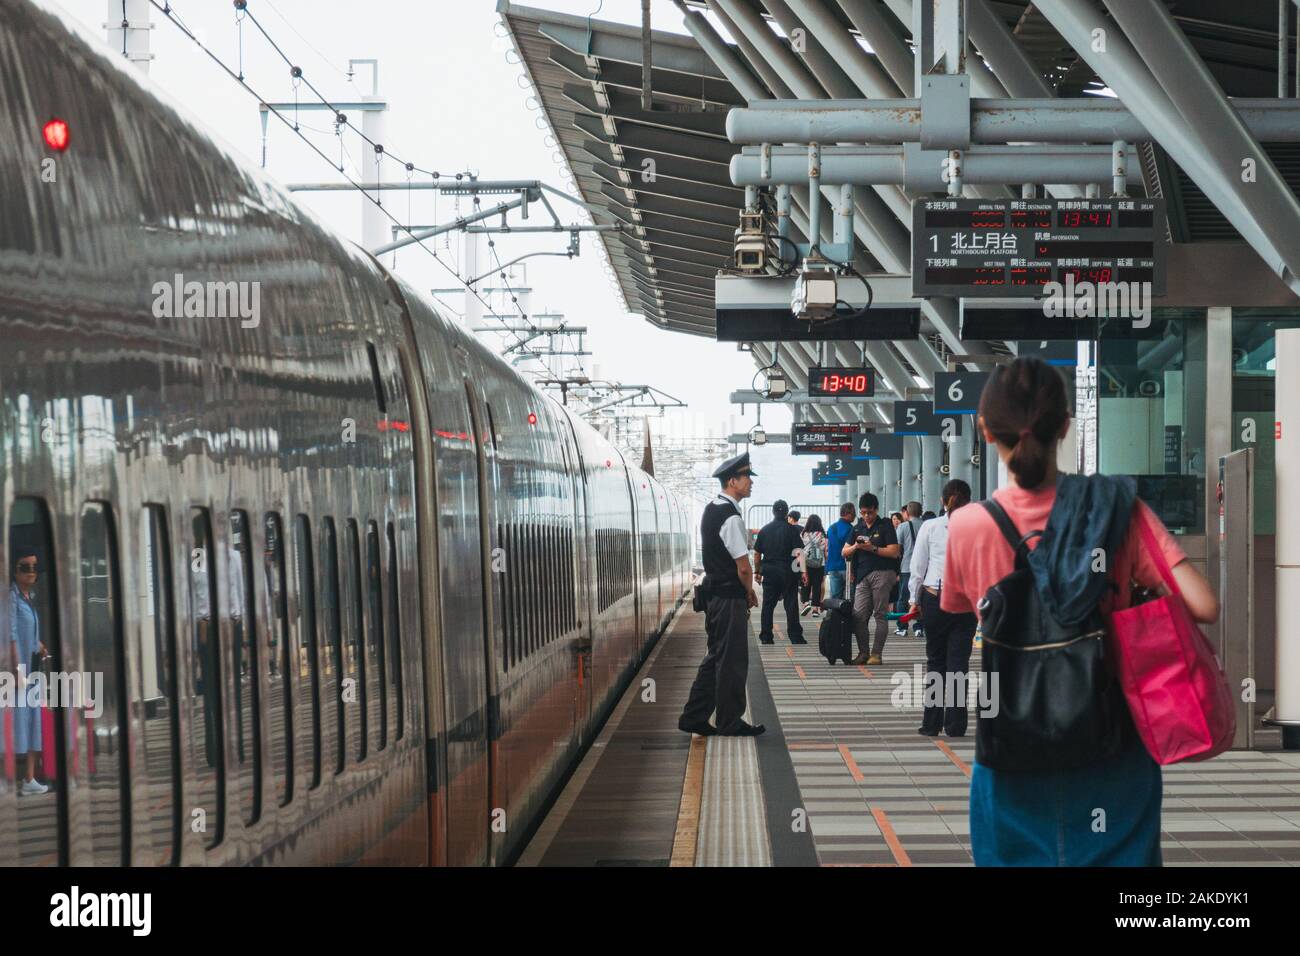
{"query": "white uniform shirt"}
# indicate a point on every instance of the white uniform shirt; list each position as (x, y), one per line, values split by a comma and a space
(733, 533)
(927, 557)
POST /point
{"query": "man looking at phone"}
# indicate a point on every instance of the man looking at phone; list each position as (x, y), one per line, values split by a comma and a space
(873, 549)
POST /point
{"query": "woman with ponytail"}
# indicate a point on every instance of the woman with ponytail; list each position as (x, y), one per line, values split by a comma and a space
(1051, 817)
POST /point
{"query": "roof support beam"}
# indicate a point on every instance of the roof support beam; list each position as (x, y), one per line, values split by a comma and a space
(1199, 128)
(1094, 120)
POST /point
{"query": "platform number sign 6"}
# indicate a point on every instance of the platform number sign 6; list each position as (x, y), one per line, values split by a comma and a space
(958, 392)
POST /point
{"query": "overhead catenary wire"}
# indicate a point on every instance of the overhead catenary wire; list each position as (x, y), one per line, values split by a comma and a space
(167, 10)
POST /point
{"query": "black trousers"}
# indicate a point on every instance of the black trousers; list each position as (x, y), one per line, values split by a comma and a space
(781, 587)
(947, 658)
(816, 577)
(720, 682)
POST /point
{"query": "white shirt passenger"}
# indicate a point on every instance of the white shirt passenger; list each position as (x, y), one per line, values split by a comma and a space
(733, 532)
(927, 557)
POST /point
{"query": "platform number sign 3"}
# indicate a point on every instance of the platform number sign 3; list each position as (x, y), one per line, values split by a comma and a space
(958, 392)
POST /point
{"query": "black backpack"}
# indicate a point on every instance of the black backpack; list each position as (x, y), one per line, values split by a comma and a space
(1054, 700)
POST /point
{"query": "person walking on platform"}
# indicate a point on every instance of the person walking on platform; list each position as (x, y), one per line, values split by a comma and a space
(874, 553)
(907, 532)
(729, 590)
(814, 556)
(837, 536)
(779, 551)
(1047, 817)
(948, 637)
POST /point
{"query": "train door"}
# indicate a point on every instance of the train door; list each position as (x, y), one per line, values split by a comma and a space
(582, 576)
(466, 634)
(493, 819)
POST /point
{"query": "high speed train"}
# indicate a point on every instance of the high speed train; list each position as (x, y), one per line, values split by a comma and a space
(338, 585)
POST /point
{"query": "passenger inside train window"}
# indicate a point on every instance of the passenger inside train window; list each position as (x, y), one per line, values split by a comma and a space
(27, 651)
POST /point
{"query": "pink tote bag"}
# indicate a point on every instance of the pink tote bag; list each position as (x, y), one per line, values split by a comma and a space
(1181, 702)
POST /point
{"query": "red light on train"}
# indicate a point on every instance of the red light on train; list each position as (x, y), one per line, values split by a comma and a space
(608, 463)
(56, 134)
(532, 418)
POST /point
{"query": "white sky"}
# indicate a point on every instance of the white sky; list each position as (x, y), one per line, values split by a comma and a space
(455, 103)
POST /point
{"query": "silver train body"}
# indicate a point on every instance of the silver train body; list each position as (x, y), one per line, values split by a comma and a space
(348, 603)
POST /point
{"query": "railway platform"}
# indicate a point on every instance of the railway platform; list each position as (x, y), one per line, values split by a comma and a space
(841, 778)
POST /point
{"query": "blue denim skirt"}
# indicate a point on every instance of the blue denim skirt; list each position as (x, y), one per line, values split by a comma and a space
(1104, 815)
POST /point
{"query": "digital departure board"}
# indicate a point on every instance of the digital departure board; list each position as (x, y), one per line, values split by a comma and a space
(823, 439)
(845, 382)
(1016, 247)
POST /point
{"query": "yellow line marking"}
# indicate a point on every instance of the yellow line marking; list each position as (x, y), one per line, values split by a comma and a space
(687, 837)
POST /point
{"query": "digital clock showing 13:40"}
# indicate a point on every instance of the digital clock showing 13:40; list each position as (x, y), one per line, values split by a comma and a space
(855, 382)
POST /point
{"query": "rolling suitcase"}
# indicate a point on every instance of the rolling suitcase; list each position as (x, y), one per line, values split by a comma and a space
(835, 640)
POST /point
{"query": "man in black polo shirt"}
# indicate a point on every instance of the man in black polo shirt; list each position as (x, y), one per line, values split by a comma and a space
(729, 582)
(778, 548)
(873, 549)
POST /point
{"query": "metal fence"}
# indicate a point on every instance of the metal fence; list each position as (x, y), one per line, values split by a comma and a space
(757, 515)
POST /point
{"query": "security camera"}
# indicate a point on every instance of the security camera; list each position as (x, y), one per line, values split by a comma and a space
(815, 294)
(750, 246)
(776, 385)
(758, 436)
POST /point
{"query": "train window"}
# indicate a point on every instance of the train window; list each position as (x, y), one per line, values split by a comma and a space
(40, 764)
(395, 634)
(375, 602)
(308, 662)
(243, 631)
(514, 580)
(104, 720)
(505, 598)
(534, 591)
(331, 652)
(156, 705)
(354, 661)
(206, 743)
(380, 399)
(280, 703)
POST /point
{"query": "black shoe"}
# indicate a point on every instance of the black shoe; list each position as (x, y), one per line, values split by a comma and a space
(742, 729)
(704, 730)
(766, 640)
(797, 640)
(927, 733)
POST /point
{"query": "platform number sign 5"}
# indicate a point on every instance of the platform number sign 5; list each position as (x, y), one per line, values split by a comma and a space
(958, 392)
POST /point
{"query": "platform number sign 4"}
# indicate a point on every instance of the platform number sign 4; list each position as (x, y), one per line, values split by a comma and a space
(958, 392)
(877, 446)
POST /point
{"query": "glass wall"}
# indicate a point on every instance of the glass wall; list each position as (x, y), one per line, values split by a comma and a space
(1254, 398)
(1151, 412)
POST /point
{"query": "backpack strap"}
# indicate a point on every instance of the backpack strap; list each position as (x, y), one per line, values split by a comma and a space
(1019, 543)
(1004, 522)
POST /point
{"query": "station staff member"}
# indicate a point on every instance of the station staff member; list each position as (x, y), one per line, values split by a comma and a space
(729, 582)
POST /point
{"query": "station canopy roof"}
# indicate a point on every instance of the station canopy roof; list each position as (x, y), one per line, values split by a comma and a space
(663, 173)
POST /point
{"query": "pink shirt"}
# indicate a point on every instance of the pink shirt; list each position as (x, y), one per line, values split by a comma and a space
(978, 557)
